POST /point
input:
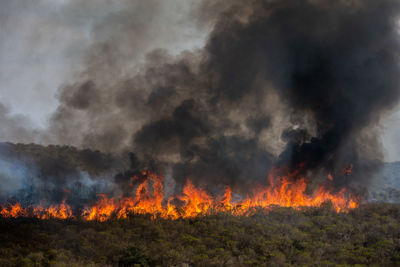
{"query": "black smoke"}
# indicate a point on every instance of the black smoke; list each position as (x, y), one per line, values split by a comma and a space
(277, 83)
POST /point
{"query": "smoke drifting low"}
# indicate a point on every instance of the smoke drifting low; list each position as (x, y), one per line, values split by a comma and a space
(277, 83)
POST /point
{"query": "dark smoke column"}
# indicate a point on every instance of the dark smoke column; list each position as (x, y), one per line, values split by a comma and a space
(332, 65)
(336, 62)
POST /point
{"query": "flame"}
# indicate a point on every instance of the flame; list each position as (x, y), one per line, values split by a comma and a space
(196, 200)
(287, 190)
(61, 211)
(13, 211)
(102, 211)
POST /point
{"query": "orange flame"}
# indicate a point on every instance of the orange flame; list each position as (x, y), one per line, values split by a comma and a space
(285, 191)
(196, 200)
(13, 211)
(61, 211)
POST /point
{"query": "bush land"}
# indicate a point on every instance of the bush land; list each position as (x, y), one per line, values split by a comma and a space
(366, 236)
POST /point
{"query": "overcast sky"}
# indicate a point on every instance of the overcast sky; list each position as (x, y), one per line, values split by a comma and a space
(43, 42)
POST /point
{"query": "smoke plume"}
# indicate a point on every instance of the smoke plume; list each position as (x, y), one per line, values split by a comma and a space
(278, 82)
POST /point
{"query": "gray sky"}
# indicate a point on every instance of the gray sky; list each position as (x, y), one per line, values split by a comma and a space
(43, 43)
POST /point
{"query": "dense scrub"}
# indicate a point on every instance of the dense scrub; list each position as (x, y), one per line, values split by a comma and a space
(369, 235)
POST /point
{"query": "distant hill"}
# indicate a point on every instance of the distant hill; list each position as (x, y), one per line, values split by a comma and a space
(54, 159)
(31, 173)
(60, 164)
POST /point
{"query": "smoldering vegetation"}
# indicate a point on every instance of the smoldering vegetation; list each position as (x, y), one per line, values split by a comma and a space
(277, 83)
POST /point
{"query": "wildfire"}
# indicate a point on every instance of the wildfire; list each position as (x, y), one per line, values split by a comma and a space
(61, 211)
(286, 191)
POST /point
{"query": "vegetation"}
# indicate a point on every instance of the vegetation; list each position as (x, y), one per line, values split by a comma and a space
(367, 236)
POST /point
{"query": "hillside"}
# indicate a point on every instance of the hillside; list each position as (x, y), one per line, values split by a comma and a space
(64, 165)
(368, 235)
(55, 161)
(32, 173)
